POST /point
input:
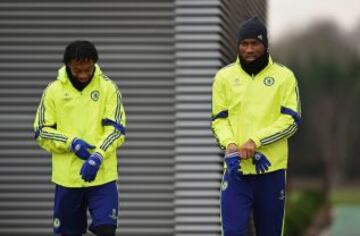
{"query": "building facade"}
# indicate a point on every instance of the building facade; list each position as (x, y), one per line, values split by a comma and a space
(163, 54)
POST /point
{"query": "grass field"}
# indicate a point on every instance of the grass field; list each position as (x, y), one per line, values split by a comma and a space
(346, 195)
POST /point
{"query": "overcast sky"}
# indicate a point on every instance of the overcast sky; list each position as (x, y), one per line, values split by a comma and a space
(295, 15)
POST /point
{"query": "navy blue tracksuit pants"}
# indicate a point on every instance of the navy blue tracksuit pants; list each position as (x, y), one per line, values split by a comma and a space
(263, 194)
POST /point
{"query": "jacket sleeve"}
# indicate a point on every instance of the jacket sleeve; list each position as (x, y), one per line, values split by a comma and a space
(290, 117)
(114, 122)
(46, 134)
(220, 124)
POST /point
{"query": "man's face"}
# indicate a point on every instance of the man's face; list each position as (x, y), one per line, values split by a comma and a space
(251, 49)
(82, 70)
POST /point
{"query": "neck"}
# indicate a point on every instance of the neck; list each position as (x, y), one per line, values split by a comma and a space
(254, 67)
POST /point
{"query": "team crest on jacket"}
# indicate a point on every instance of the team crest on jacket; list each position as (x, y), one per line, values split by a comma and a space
(95, 95)
(268, 81)
(66, 96)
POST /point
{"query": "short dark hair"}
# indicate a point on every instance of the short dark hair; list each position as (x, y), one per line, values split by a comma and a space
(80, 50)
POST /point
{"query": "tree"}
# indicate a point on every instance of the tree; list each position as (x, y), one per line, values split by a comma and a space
(326, 63)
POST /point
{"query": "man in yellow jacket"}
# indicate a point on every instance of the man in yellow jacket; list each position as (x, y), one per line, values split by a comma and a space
(255, 109)
(81, 122)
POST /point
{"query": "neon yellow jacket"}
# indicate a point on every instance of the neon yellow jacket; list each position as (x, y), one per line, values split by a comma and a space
(95, 115)
(264, 108)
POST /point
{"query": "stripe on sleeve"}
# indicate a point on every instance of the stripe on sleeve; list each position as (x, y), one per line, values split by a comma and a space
(280, 135)
(52, 136)
(118, 118)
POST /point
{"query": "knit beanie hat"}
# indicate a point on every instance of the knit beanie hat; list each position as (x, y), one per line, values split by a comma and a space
(253, 29)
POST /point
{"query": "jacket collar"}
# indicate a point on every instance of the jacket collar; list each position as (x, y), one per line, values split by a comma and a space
(270, 63)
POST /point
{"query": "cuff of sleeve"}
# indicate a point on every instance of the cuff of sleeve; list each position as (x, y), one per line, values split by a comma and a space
(69, 141)
(100, 151)
(256, 141)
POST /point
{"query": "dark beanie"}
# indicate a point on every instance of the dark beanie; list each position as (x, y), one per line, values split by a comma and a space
(253, 29)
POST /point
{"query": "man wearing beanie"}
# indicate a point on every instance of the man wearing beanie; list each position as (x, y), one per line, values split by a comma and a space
(255, 109)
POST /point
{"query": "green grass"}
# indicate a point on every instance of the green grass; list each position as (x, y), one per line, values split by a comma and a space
(346, 196)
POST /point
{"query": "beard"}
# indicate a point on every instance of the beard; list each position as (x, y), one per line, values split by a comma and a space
(255, 66)
(79, 84)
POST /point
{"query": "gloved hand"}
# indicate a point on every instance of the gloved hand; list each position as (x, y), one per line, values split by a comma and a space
(261, 163)
(80, 148)
(232, 161)
(90, 167)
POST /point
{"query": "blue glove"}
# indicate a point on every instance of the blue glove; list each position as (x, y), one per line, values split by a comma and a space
(80, 148)
(232, 161)
(90, 167)
(261, 163)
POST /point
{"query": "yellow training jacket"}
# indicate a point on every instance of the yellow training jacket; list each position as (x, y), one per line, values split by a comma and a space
(264, 108)
(95, 115)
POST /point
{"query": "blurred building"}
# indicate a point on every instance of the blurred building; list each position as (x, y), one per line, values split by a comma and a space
(163, 55)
